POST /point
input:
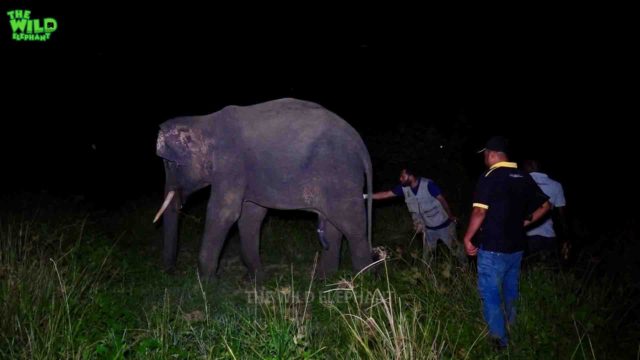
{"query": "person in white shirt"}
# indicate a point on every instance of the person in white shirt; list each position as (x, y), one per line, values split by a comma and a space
(541, 237)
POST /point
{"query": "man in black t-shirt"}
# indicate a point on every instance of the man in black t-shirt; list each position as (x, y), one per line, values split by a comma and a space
(506, 200)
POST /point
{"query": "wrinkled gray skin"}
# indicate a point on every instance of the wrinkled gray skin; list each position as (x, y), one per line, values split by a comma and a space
(282, 154)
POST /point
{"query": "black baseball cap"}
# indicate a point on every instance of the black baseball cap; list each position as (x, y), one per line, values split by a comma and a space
(496, 143)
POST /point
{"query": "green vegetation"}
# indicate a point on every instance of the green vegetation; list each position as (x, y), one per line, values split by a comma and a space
(91, 287)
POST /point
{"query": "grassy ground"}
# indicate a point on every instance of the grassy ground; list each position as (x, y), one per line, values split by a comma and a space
(89, 286)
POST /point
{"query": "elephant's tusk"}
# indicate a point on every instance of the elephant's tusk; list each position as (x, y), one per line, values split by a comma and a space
(165, 205)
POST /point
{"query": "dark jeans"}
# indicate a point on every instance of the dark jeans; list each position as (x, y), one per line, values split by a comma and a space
(542, 249)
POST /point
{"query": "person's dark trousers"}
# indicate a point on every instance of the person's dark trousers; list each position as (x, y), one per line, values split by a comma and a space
(542, 249)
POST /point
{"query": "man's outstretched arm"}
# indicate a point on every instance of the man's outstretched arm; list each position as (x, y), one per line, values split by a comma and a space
(383, 195)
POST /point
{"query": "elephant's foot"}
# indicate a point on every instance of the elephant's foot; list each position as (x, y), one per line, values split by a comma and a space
(169, 265)
(207, 274)
(170, 270)
(328, 265)
(254, 277)
(325, 273)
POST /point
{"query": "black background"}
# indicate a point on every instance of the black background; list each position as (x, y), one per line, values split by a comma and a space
(80, 112)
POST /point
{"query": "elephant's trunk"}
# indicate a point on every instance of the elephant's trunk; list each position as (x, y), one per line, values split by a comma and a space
(169, 213)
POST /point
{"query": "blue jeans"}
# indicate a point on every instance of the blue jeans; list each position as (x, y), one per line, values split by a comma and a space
(496, 272)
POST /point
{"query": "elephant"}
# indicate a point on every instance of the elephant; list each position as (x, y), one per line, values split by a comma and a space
(286, 154)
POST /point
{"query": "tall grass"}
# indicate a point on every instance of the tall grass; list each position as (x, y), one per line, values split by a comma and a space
(383, 326)
(70, 290)
(46, 290)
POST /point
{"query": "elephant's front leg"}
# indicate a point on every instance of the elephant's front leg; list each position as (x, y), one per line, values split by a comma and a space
(222, 211)
(330, 258)
(170, 226)
(249, 228)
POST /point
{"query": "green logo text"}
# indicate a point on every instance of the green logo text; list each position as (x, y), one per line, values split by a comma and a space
(26, 29)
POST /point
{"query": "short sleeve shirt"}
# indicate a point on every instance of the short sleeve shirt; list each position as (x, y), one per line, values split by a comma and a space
(433, 188)
(510, 196)
(554, 190)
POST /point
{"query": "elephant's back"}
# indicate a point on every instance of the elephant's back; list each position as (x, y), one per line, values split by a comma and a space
(280, 105)
(292, 129)
(291, 116)
(286, 110)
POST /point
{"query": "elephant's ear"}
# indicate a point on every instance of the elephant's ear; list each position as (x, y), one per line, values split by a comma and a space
(161, 144)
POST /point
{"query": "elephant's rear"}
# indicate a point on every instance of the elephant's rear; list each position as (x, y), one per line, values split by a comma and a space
(333, 150)
(302, 149)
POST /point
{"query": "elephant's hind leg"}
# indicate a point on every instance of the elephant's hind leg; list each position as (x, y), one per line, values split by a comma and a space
(249, 227)
(350, 218)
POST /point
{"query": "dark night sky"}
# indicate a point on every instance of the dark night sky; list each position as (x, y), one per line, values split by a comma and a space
(110, 74)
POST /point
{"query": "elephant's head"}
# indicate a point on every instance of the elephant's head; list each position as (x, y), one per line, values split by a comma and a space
(187, 155)
(186, 152)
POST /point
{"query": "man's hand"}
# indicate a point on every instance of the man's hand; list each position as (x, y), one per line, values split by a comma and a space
(418, 226)
(470, 248)
(477, 217)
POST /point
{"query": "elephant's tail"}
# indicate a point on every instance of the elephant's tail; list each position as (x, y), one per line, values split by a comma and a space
(368, 170)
